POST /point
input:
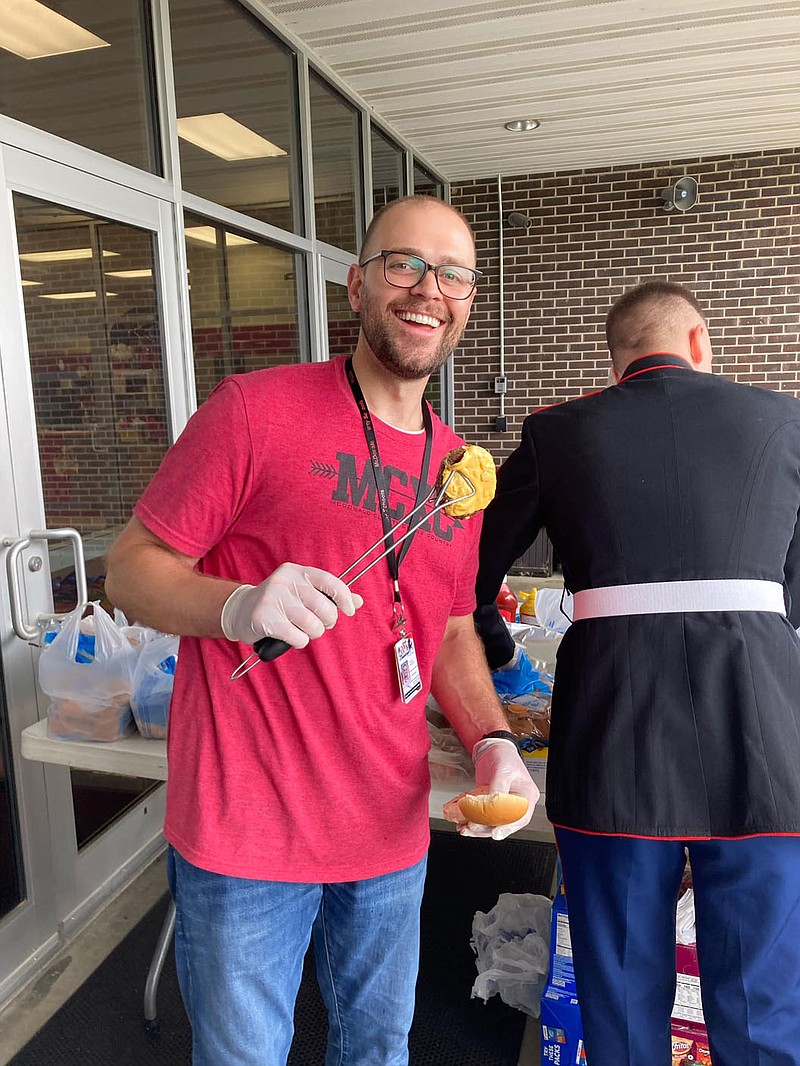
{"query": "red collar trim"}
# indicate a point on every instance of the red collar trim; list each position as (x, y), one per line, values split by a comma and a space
(680, 364)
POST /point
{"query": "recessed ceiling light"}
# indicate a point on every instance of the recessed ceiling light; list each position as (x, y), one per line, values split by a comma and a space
(32, 30)
(146, 272)
(226, 138)
(26, 282)
(522, 125)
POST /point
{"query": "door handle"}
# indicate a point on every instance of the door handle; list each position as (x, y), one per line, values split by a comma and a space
(23, 629)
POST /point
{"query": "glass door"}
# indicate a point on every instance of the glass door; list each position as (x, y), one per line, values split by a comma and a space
(86, 278)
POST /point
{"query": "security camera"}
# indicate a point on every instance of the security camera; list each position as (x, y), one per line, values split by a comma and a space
(516, 220)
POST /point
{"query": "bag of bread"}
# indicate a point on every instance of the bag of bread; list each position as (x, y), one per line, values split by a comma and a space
(528, 719)
(87, 671)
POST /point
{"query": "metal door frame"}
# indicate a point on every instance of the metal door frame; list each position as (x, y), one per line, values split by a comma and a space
(64, 887)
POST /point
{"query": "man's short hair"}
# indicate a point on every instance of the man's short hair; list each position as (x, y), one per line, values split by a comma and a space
(644, 312)
(414, 198)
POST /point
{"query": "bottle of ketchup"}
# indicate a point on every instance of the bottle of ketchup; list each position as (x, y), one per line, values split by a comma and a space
(507, 603)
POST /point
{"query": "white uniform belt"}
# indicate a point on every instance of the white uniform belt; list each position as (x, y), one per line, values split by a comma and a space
(678, 597)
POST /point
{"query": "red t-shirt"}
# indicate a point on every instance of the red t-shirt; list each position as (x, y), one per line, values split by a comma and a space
(309, 768)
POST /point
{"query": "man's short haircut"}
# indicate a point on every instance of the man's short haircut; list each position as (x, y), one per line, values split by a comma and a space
(645, 312)
(415, 198)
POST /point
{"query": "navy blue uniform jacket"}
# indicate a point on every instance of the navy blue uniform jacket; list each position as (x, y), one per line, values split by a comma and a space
(664, 725)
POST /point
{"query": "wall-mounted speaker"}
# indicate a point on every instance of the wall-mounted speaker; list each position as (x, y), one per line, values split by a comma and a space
(682, 195)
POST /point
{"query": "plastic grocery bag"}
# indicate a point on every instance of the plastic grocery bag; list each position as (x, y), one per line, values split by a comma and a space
(512, 943)
(152, 684)
(519, 676)
(87, 671)
(554, 609)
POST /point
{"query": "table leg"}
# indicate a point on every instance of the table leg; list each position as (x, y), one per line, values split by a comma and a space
(156, 966)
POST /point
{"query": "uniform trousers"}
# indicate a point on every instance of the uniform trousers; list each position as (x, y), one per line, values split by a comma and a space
(621, 894)
(240, 944)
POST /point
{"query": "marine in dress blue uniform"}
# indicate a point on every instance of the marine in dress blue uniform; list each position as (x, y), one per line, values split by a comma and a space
(672, 500)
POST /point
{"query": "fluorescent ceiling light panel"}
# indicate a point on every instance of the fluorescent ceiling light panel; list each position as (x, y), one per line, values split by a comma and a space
(223, 136)
(63, 256)
(208, 235)
(144, 273)
(26, 282)
(72, 295)
(32, 31)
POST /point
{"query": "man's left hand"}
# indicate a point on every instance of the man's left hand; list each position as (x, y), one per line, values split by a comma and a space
(499, 768)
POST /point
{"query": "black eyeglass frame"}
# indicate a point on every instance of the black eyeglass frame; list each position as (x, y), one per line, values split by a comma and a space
(435, 268)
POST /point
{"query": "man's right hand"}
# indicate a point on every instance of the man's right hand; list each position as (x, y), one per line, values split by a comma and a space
(295, 604)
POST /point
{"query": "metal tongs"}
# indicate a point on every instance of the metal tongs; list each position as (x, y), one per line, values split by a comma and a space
(269, 648)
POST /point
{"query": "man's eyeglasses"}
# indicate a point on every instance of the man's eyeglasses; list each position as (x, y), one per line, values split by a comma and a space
(404, 271)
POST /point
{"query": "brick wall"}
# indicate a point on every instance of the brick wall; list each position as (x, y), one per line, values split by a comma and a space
(598, 232)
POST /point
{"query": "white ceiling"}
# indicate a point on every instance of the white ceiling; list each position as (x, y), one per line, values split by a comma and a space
(612, 81)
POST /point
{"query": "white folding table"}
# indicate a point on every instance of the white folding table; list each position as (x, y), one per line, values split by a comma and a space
(138, 757)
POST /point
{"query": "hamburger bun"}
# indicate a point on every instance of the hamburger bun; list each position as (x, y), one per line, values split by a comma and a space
(482, 808)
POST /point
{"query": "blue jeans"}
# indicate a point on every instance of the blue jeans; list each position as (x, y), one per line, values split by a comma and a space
(240, 944)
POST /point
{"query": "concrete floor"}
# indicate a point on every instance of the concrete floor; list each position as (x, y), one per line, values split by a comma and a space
(31, 1008)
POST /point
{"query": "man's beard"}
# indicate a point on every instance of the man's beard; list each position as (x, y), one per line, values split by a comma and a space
(400, 356)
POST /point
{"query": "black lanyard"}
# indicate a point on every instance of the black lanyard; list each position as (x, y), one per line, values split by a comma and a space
(394, 558)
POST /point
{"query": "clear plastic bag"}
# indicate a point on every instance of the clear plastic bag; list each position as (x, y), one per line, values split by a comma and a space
(512, 944)
(87, 671)
(152, 685)
(448, 759)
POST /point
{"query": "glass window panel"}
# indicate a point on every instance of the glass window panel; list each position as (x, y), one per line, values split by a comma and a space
(235, 88)
(100, 96)
(100, 799)
(12, 890)
(388, 169)
(96, 360)
(343, 322)
(243, 298)
(336, 149)
(426, 184)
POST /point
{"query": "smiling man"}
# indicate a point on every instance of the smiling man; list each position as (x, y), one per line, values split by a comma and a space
(413, 332)
(297, 801)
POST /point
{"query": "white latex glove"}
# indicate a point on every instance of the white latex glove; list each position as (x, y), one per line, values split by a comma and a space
(295, 603)
(499, 767)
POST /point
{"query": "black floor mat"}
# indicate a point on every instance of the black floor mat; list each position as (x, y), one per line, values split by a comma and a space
(101, 1025)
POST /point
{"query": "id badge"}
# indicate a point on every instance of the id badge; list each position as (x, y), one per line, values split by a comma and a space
(405, 658)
